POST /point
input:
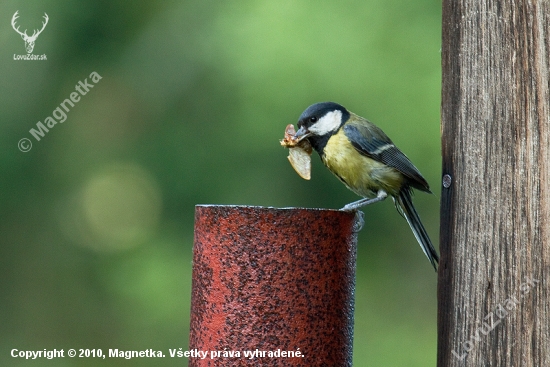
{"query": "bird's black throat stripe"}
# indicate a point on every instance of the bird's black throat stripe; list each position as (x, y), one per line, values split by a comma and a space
(319, 143)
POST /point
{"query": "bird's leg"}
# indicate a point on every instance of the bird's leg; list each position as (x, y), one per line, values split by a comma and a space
(363, 202)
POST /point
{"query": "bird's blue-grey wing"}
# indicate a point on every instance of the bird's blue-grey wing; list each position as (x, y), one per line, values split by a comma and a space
(370, 141)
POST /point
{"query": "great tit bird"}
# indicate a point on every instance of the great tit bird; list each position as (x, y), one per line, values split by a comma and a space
(366, 161)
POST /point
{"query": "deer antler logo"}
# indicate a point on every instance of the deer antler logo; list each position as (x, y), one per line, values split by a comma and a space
(29, 40)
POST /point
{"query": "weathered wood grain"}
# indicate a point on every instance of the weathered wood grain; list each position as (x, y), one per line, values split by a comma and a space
(494, 288)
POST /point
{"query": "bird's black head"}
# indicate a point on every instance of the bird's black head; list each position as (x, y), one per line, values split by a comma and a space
(319, 122)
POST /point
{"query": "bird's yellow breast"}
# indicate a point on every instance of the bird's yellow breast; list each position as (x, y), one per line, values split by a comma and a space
(361, 174)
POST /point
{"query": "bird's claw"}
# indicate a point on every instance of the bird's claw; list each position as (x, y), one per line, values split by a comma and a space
(359, 221)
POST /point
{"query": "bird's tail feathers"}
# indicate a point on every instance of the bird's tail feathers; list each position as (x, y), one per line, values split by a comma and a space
(406, 208)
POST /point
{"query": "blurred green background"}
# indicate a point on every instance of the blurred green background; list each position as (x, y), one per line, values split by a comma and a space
(96, 220)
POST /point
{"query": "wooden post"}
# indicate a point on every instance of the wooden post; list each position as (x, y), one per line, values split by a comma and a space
(494, 288)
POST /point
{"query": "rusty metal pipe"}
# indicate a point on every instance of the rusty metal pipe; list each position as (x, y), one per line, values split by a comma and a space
(272, 280)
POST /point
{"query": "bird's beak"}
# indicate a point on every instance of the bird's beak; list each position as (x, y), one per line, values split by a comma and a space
(302, 133)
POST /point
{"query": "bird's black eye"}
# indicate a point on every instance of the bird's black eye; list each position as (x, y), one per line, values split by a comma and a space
(313, 119)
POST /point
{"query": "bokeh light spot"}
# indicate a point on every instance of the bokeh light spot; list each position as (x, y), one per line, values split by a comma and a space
(121, 206)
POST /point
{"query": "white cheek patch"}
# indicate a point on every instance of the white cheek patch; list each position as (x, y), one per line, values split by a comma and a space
(328, 123)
